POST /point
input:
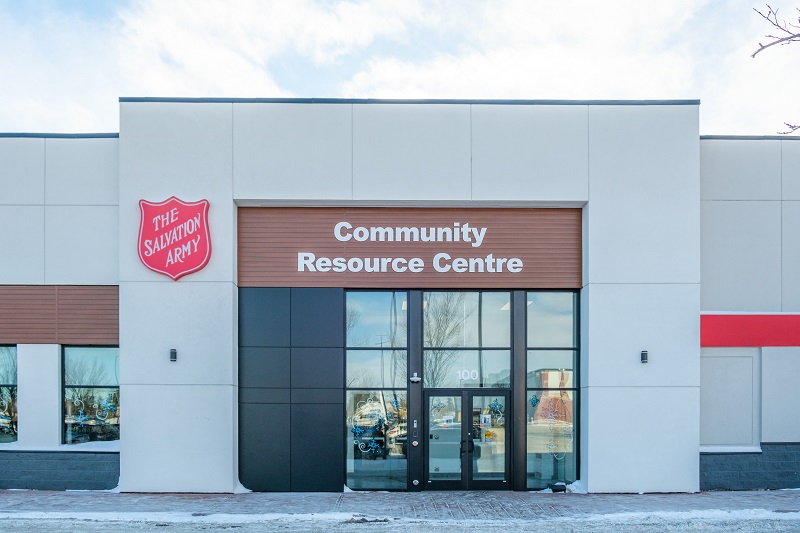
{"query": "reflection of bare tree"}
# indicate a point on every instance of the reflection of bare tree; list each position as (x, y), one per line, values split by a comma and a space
(8, 395)
(352, 319)
(8, 365)
(361, 378)
(444, 320)
(79, 371)
(91, 400)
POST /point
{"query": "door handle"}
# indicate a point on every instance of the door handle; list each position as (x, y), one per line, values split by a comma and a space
(470, 446)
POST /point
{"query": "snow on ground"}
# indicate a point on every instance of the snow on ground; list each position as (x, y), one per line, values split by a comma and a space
(705, 520)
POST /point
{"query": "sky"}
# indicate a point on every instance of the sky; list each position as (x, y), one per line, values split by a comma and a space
(65, 63)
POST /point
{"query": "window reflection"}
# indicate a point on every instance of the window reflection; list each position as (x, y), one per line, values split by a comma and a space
(466, 368)
(551, 319)
(551, 323)
(550, 438)
(376, 368)
(376, 439)
(467, 319)
(549, 369)
(376, 319)
(91, 366)
(91, 394)
(8, 394)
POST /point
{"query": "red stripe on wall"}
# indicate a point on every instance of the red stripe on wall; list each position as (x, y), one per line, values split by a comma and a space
(749, 330)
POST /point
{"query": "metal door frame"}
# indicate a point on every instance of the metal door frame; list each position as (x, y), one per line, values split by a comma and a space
(467, 443)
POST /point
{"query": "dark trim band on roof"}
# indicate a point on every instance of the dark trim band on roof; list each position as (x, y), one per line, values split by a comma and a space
(62, 135)
(399, 101)
(750, 137)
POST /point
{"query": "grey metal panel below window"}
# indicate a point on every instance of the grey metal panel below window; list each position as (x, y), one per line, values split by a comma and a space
(59, 470)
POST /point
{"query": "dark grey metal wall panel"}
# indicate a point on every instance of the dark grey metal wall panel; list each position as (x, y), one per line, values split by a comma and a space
(776, 467)
(264, 447)
(318, 396)
(259, 395)
(317, 318)
(264, 315)
(317, 448)
(59, 470)
(291, 389)
(264, 367)
(317, 368)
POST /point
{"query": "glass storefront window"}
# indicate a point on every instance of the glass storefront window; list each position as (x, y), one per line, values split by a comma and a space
(376, 319)
(8, 394)
(551, 320)
(467, 319)
(550, 438)
(376, 373)
(376, 368)
(91, 394)
(552, 355)
(444, 368)
(551, 369)
(376, 439)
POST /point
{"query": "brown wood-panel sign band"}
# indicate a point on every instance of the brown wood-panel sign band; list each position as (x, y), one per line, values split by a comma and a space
(59, 314)
(409, 247)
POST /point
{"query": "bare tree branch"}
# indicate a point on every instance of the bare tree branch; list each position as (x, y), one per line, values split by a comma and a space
(789, 32)
(792, 128)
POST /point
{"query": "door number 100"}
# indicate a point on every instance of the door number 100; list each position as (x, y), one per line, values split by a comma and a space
(467, 374)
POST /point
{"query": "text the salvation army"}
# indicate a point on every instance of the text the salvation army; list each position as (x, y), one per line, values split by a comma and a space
(176, 235)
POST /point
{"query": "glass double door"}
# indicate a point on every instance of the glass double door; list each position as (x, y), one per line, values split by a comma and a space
(466, 441)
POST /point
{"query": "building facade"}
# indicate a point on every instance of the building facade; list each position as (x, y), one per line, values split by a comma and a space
(308, 295)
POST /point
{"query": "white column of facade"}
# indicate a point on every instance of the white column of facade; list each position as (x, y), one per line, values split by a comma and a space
(39, 399)
(640, 421)
(179, 427)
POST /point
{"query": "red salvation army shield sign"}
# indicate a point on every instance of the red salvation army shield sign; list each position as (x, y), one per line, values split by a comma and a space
(173, 236)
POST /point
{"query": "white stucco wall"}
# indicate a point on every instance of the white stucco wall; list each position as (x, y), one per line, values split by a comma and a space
(641, 292)
(635, 168)
(181, 425)
(58, 226)
(750, 212)
(58, 208)
(750, 260)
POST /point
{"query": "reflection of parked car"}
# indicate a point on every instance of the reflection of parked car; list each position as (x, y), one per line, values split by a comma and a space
(76, 438)
(397, 438)
(373, 441)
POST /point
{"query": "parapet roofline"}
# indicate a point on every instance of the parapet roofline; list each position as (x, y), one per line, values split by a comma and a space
(398, 101)
(750, 138)
(62, 135)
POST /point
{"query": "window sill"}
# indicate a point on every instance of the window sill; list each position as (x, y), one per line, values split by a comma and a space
(730, 449)
(86, 447)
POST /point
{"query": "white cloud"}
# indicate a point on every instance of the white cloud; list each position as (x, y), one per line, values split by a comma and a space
(66, 70)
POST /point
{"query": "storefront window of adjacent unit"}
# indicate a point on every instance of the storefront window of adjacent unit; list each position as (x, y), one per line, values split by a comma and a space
(552, 390)
(8, 394)
(91, 394)
(467, 338)
(376, 376)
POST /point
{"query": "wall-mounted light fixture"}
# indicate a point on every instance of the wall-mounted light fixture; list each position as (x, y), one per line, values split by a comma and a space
(173, 355)
(644, 356)
(415, 378)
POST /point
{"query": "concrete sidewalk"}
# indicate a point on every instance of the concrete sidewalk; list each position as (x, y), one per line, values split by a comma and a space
(462, 511)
